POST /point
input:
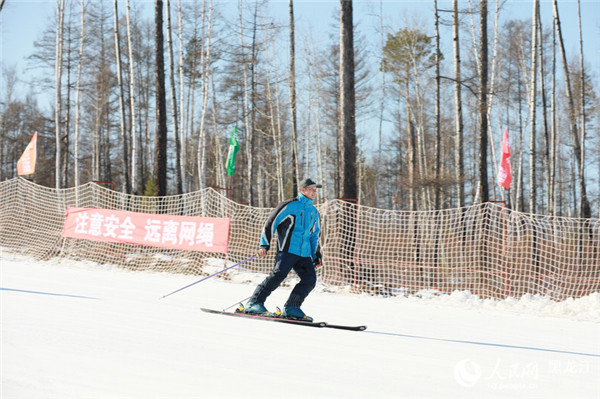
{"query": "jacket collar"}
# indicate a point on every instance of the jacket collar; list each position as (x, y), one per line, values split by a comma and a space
(304, 199)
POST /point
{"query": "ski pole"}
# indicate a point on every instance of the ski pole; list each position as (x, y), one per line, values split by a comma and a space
(237, 303)
(212, 275)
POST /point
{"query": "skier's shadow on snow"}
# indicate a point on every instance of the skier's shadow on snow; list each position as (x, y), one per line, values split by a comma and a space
(458, 341)
(47, 293)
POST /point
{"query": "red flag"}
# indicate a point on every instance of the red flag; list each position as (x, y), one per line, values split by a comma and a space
(504, 178)
(26, 164)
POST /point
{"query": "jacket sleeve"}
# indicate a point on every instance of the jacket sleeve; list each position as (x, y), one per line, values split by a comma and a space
(315, 238)
(271, 224)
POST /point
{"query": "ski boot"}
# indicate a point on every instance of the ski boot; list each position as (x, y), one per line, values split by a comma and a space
(294, 312)
(254, 308)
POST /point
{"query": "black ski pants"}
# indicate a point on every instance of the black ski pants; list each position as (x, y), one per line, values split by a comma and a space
(284, 263)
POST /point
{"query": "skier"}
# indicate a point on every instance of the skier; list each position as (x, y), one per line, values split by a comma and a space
(297, 224)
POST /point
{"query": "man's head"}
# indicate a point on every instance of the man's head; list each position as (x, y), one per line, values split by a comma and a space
(309, 188)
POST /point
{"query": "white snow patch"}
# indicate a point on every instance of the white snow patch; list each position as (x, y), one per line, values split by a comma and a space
(83, 330)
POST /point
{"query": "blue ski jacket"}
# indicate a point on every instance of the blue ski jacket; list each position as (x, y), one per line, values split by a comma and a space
(297, 223)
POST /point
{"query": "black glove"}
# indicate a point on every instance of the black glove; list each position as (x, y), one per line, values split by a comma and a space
(317, 262)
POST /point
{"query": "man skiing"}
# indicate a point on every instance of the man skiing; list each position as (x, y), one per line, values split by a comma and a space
(297, 224)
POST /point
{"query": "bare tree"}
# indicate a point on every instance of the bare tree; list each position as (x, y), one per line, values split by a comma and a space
(182, 134)
(60, 14)
(295, 170)
(381, 110)
(458, 114)
(78, 93)
(347, 102)
(132, 96)
(205, 66)
(249, 89)
(582, 100)
(220, 159)
(532, 110)
(7, 155)
(66, 103)
(101, 87)
(483, 108)
(546, 129)
(189, 66)
(126, 182)
(438, 129)
(553, 133)
(273, 104)
(492, 96)
(174, 116)
(246, 104)
(161, 106)
(406, 53)
(315, 92)
(584, 205)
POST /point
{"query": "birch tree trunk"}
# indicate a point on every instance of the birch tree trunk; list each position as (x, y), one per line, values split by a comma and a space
(253, 112)
(77, 94)
(182, 134)
(275, 134)
(246, 113)
(220, 170)
(519, 201)
(458, 115)
(174, 116)
(418, 119)
(546, 129)
(492, 92)
(438, 133)
(126, 183)
(273, 103)
(206, 74)
(314, 76)
(552, 185)
(279, 141)
(381, 112)
(191, 99)
(66, 128)
(132, 96)
(60, 14)
(483, 119)
(295, 169)
(582, 101)
(532, 111)
(412, 150)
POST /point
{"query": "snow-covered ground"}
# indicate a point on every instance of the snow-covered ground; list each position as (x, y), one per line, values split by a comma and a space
(81, 330)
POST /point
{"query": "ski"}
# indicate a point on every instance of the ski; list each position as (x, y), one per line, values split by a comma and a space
(280, 319)
(344, 327)
(277, 319)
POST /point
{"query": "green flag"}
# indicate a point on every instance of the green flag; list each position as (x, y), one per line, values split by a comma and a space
(234, 146)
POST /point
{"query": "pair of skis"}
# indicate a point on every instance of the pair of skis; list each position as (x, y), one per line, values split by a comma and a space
(281, 319)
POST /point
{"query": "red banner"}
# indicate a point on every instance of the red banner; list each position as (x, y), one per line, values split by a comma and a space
(504, 177)
(189, 233)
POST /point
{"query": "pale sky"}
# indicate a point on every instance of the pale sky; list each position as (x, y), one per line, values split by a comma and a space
(23, 21)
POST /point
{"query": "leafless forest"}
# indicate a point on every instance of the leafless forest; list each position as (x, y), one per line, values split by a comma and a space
(147, 95)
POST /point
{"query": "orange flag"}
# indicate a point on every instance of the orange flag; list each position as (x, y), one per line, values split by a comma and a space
(26, 164)
(504, 177)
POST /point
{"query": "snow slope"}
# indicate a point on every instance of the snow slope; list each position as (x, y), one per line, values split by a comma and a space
(79, 330)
